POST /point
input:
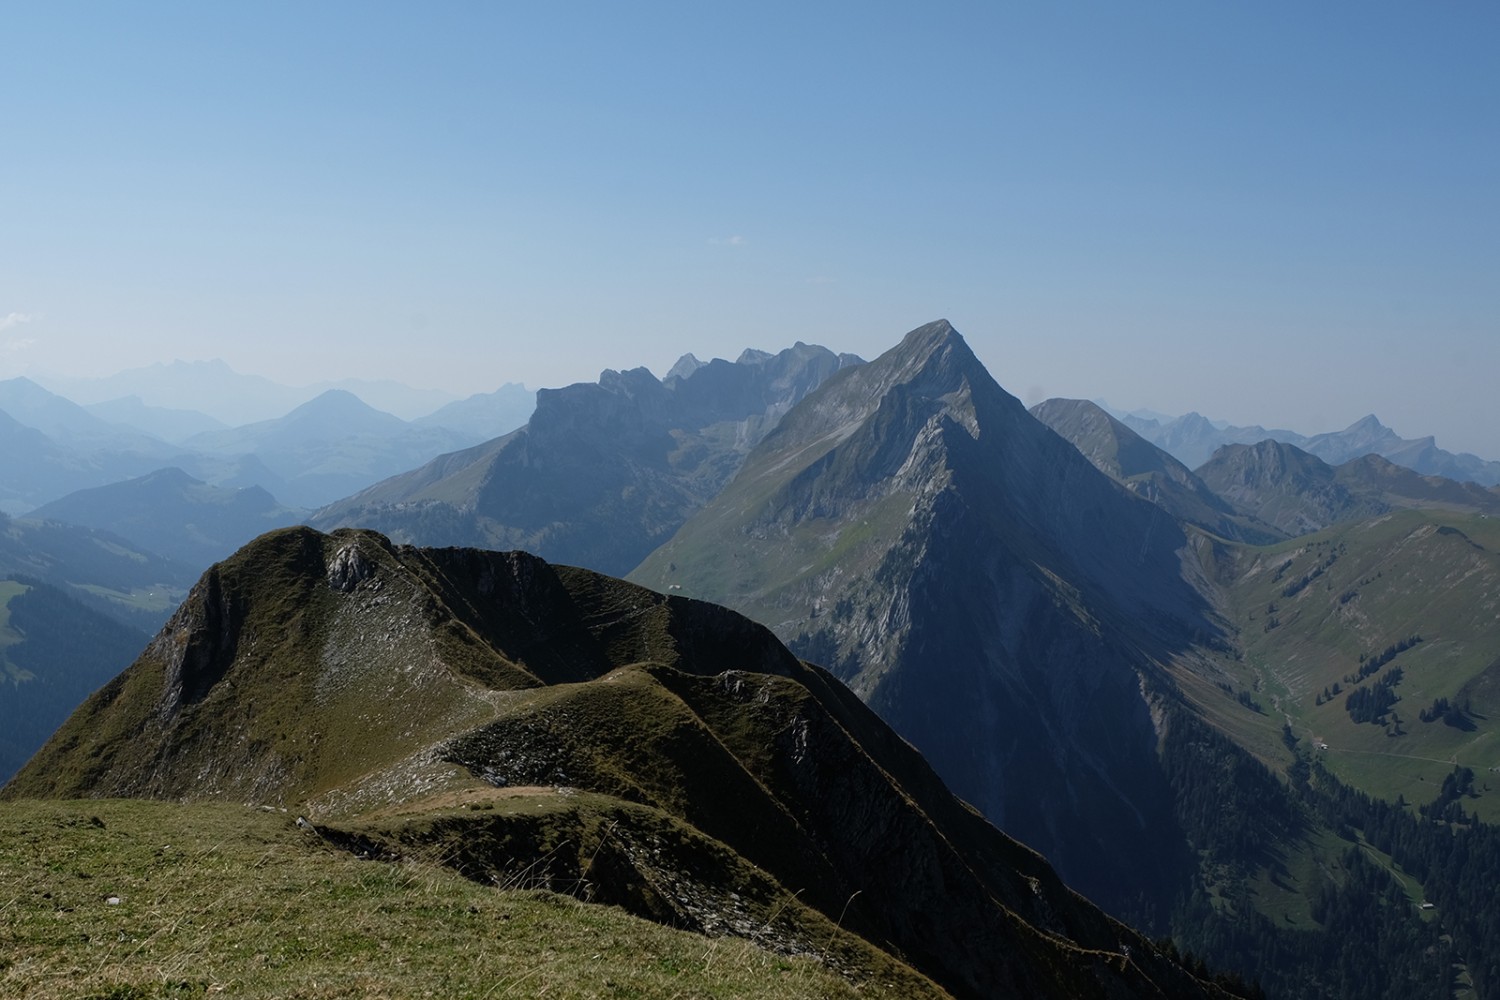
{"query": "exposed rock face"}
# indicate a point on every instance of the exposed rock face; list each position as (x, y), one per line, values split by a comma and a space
(993, 596)
(603, 472)
(712, 779)
(348, 569)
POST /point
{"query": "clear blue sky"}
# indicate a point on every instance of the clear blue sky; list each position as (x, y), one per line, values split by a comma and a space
(1275, 213)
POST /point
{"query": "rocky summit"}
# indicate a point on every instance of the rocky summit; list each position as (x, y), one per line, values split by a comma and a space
(998, 600)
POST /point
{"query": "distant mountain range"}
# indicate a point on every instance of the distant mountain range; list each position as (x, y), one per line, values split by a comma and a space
(233, 398)
(1193, 439)
(325, 448)
(330, 447)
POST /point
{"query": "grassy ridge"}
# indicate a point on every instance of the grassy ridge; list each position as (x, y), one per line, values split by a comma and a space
(215, 899)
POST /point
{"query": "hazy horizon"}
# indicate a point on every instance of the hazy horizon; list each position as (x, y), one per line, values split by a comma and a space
(1281, 217)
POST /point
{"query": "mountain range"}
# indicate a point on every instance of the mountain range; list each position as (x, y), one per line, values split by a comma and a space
(97, 568)
(233, 398)
(1193, 439)
(324, 448)
(651, 752)
(1147, 470)
(1299, 493)
(914, 528)
(603, 472)
(1243, 705)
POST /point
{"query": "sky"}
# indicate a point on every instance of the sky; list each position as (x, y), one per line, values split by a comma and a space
(1277, 213)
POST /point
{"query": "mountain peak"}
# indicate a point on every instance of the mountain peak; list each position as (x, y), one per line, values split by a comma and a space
(24, 391)
(335, 404)
(685, 366)
(1369, 422)
(928, 336)
(169, 476)
(936, 343)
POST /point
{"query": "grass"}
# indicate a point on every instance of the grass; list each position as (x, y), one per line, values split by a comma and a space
(1431, 573)
(8, 589)
(1425, 572)
(157, 599)
(225, 900)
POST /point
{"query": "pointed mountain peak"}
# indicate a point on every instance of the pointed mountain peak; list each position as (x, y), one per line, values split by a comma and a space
(1367, 423)
(342, 397)
(1193, 419)
(685, 366)
(933, 344)
(23, 390)
(930, 336)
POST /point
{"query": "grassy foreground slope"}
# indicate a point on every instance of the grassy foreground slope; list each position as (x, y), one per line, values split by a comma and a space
(229, 900)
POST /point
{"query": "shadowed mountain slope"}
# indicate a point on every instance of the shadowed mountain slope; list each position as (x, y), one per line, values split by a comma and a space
(52, 447)
(1300, 493)
(993, 596)
(1147, 470)
(172, 513)
(54, 653)
(670, 757)
(603, 472)
(36, 468)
